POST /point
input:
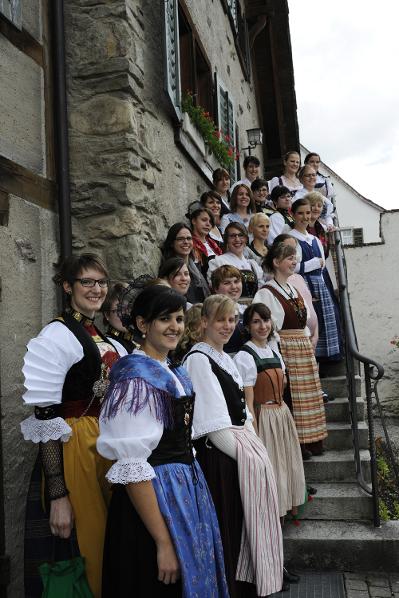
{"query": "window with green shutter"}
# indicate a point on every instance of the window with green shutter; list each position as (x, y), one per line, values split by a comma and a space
(12, 11)
(226, 119)
(171, 55)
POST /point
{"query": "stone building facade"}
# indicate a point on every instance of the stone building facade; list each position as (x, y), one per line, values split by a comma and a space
(136, 161)
(28, 246)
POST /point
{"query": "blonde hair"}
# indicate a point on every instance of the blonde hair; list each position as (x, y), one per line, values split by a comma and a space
(192, 329)
(314, 198)
(255, 219)
(217, 306)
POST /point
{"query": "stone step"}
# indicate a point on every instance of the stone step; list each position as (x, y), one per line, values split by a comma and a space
(340, 436)
(333, 368)
(342, 546)
(337, 386)
(339, 501)
(338, 410)
(336, 466)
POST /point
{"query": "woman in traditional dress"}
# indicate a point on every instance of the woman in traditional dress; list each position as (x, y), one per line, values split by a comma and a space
(281, 220)
(213, 202)
(310, 265)
(259, 226)
(176, 273)
(234, 460)
(66, 370)
(289, 178)
(325, 187)
(162, 535)
(235, 242)
(242, 206)
(289, 315)
(179, 243)
(204, 247)
(115, 330)
(263, 372)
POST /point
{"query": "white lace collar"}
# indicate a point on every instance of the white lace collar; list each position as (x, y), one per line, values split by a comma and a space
(223, 360)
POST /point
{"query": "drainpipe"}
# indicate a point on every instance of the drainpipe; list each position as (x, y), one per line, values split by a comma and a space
(61, 129)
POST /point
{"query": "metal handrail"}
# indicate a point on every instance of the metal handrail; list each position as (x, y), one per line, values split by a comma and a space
(373, 372)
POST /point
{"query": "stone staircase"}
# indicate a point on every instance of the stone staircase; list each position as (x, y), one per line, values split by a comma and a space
(336, 530)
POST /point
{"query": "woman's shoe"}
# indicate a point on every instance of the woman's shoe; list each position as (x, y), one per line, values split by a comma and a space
(290, 577)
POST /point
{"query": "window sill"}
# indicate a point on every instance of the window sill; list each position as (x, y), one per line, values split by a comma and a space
(189, 140)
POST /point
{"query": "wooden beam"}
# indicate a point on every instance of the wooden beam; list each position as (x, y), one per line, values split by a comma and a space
(19, 181)
(22, 40)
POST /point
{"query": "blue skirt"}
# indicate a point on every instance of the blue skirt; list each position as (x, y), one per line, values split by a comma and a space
(186, 504)
(130, 565)
(329, 343)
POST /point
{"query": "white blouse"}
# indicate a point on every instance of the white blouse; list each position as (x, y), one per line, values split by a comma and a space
(129, 439)
(246, 363)
(277, 311)
(47, 361)
(312, 264)
(278, 226)
(231, 259)
(275, 181)
(210, 412)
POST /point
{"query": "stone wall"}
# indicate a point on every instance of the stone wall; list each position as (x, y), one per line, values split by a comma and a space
(374, 292)
(130, 181)
(28, 251)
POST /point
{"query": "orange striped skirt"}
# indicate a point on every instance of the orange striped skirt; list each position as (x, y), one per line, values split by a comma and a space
(305, 387)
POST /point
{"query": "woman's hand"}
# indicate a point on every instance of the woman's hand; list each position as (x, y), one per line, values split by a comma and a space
(61, 517)
(321, 262)
(168, 565)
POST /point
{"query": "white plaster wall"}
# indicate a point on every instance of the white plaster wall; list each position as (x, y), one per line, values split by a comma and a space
(374, 292)
(21, 108)
(352, 211)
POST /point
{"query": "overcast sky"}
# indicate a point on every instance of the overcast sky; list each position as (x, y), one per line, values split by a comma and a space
(346, 64)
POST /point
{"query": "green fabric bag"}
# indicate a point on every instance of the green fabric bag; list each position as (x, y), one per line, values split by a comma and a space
(65, 579)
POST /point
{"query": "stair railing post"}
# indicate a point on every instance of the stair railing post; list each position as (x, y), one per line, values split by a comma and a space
(372, 449)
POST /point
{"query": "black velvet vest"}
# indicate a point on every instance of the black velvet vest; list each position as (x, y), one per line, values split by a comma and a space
(176, 445)
(233, 394)
(78, 385)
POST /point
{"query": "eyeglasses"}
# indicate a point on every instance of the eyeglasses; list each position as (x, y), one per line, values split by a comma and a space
(181, 239)
(91, 282)
(237, 236)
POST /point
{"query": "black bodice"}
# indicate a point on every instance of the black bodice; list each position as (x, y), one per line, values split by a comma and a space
(233, 394)
(176, 445)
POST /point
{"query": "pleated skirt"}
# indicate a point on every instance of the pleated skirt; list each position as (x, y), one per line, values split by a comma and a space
(130, 557)
(278, 433)
(221, 473)
(305, 388)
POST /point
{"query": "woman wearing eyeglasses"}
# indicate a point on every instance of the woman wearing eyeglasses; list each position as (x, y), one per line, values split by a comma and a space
(66, 371)
(179, 243)
(235, 243)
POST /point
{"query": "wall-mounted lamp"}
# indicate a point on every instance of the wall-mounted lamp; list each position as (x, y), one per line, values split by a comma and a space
(255, 137)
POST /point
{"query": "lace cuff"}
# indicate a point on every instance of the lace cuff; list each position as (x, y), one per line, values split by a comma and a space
(127, 471)
(43, 430)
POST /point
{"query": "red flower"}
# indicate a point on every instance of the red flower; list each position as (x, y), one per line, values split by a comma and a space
(227, 138)
(217, 134)
(230, 152)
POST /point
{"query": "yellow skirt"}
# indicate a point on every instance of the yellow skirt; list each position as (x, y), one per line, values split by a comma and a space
(89, 493)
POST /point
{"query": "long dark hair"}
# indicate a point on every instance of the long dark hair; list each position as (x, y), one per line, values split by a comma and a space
(167, 247)
(171, 267)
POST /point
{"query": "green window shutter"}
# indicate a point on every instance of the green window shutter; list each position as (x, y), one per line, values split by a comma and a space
(232, 5)
(12, 10)
(171, 55)
(226, 119)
